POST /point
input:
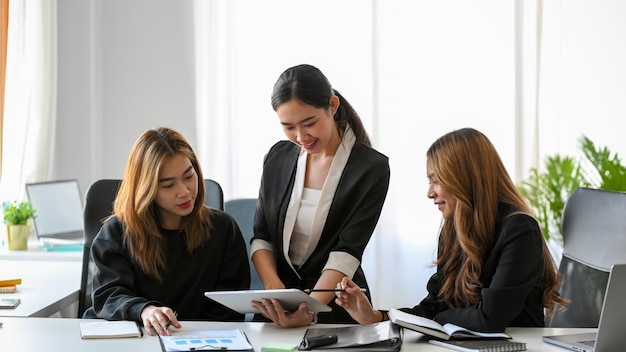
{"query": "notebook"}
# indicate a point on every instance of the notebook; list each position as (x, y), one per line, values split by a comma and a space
(610, 327)
(481, 345)
(59, 209)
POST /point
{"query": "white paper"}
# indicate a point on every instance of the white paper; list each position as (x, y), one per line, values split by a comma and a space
(206, 341)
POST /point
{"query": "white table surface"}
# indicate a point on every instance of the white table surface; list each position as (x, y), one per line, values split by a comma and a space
(47, 287)
(36, 251)
(62, 334)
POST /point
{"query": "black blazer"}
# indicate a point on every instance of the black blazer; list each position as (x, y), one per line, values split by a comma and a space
(351, 220)
(512, 283)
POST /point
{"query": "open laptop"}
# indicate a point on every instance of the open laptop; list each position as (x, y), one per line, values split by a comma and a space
(609, 337)
(59, 207)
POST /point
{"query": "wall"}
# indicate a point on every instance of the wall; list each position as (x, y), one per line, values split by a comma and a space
(124, 67)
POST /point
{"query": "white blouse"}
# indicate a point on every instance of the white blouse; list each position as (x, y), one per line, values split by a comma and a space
(302, 240)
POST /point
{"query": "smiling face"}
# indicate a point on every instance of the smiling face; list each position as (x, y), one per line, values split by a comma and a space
(444, 200)
(178, 189)
(314, 129)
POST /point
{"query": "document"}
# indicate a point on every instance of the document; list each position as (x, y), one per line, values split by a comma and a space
(430, 327)
(208, 340)
(105, 329)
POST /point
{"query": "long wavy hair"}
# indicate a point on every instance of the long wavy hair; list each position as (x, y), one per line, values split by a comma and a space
(468, 166)
(308, 84)
(135, 203)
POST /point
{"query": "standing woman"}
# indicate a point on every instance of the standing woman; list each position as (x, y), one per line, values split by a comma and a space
(321, 195)
(162, 248)
(494, 268)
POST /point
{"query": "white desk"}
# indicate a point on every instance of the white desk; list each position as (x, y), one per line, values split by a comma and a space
(58, 334)
(36, 251)
(48, 287)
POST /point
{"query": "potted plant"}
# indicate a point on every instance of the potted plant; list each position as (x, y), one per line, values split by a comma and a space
(16, 215)
(548, 190)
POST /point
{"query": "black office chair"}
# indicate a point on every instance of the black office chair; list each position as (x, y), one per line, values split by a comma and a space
(242, 210)
(594, 238)
(99, 199)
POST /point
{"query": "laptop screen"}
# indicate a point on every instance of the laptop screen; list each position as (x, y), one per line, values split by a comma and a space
(59, 209)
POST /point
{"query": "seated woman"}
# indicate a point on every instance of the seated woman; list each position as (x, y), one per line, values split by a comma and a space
(493, 266)
(162, 248)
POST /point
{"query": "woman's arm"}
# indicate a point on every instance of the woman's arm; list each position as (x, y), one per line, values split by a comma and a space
(113, 295)
(265, 265)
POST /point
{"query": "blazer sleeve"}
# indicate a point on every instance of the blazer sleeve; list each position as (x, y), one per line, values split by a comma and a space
(358, 203)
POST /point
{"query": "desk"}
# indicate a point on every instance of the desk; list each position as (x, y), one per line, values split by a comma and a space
(37, 252)
(58, 334)
(47, 287)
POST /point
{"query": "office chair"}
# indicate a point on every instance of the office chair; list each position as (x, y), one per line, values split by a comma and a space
(242, 210)
(214, 196)
(99, 199)
(594, 238)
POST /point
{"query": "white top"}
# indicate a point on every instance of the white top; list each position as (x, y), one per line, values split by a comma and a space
(303, 242)
(340, 261)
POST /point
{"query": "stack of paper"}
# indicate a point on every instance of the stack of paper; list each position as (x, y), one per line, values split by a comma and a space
(9, 285)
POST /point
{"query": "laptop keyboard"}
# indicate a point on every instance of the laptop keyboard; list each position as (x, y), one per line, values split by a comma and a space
(589, 342)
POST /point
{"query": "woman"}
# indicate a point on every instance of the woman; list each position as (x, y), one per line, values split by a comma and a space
(321, 195)
(162, 248)
(493, 266)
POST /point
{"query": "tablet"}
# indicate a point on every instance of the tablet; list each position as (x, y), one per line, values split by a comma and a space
(290, 299)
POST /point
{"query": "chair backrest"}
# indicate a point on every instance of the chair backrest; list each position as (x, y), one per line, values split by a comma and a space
(242, 210)
(594, 238)
(99, 198)
(214, 196)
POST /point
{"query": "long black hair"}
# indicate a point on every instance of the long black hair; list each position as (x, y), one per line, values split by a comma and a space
(309, 85)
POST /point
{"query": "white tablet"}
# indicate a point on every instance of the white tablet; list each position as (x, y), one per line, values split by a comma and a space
(290, 299)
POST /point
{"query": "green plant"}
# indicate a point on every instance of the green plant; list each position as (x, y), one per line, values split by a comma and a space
(548, 190)
(17, 213)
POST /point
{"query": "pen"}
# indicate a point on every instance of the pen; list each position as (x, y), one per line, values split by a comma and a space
(330, 290)
(169, 322)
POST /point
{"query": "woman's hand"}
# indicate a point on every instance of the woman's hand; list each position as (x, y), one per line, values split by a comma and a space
(272, 310)
(158, 319)
(356, 303)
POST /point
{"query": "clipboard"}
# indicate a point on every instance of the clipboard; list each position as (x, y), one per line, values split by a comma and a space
(290, 299)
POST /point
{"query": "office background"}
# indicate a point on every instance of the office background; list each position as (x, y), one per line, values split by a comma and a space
(533, 75)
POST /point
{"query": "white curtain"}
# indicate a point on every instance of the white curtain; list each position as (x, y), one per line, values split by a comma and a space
(29, 116)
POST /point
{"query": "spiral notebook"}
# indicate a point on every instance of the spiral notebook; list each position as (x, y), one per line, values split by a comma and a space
(481, 345)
